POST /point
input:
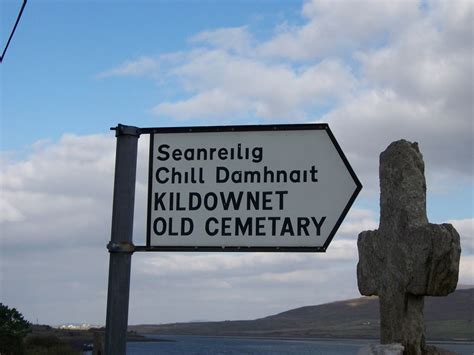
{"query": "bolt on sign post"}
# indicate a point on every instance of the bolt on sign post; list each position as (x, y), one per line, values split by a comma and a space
(277, 188)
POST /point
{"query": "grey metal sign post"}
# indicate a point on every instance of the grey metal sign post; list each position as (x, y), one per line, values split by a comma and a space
(121, 244)
(271, 188)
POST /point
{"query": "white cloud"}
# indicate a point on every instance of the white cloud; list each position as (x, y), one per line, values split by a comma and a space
(333, 29)
(356, 221)
(55, 223)
(214, 104)
(66, 183)
(223, 84)
(366, 125)
(399, 69)
(428, 63)
(465, 228)
(64, 186)
(420, 89)
(239, 264)
(235, 39)
(9, 213)
(466, 271)
(140, 67)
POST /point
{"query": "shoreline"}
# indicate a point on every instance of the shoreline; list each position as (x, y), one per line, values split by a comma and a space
(332, 339)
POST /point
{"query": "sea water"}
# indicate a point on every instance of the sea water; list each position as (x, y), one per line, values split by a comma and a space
(199, 345)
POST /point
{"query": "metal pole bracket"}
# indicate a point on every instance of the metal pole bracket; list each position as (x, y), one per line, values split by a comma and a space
(123, 130)
(121, 247)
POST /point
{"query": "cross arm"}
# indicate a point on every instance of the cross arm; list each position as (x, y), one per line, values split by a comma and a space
(435, 254)
(371, 263)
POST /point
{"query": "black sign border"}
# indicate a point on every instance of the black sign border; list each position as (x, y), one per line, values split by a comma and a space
(243, 128)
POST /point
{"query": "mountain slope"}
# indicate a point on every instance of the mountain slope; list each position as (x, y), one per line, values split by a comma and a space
(446, 318)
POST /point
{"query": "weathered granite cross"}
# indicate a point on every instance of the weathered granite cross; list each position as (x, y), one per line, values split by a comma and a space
(407, 258)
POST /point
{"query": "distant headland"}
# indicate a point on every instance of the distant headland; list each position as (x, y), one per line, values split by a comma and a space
(447, 318)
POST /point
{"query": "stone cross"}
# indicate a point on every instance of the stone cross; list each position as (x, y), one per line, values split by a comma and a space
(407, 258)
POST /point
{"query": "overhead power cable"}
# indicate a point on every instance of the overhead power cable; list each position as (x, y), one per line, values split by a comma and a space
(13, 30)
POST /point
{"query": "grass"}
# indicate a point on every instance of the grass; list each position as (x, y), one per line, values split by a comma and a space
(48, 345)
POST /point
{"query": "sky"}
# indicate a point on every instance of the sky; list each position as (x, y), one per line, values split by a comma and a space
(375, 71)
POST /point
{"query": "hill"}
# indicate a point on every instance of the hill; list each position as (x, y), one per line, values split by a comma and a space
(446, 318)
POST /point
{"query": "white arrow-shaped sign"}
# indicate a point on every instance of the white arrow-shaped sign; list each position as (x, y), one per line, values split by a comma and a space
(247, 188)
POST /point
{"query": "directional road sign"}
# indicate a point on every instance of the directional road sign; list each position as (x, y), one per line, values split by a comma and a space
(247, 188)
